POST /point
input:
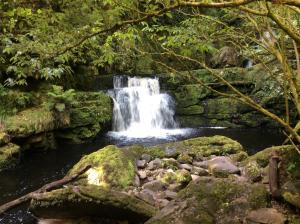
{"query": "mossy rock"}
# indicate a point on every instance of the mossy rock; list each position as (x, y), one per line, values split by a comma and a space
(253, 171)
(4, 138)
(83, 201)
(290, 161)
(181, 177)
(111, 168)
(34, 121)
(291, 192)
(194, 147)
(191, 110)
(213, 200)
(9, 156)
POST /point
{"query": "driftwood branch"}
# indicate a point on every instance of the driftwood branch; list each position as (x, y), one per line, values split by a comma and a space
(48, 187)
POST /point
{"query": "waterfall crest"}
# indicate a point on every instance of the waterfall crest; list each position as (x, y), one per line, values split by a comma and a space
(140, 109)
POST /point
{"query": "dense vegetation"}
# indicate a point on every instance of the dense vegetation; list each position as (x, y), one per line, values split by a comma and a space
(45, 40)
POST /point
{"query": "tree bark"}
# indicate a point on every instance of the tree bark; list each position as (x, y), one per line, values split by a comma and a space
(48, 187)
(273, 175)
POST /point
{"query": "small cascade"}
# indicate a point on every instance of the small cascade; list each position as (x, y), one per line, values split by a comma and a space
(140, 110)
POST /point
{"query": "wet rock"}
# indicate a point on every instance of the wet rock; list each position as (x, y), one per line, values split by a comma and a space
(291, 192)
(141, 163)
(184, 158)
(186, 167)
(155, 185)
(155, 164)
(142, 174)
(199, 171)
(222, 166)
(265, 216)
(202, 164)
(170, 194)
(146, 157)
(90, 201)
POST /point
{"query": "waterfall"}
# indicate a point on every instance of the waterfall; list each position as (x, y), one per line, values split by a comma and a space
(140, 109)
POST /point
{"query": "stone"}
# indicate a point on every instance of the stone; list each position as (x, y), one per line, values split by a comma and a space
(222, 166)
(186, 167)
(253, 171)
(155, 164)
(170, 194)
(91, 200)
(137, 181)
(170, 163)
(291, 192)
(111, 167)
(141, 163)
(202, 164)
(4, 138)
(147, 196)
(142, 174)
(175, 187)
(155, 185)
(162, 203)
(266, 216)
(146, 157)
(199, 171)
(184, 158)
(195, 177)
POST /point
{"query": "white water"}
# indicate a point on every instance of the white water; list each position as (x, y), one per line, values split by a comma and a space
(141, 111)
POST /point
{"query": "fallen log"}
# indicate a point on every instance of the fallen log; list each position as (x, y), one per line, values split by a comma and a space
(48, 187)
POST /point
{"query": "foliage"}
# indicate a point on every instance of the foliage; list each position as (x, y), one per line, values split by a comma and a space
(59, 100)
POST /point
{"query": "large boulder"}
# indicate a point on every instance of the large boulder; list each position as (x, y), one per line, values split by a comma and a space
(111, 167)
(212, 200)
(194, 147)
(91, 200)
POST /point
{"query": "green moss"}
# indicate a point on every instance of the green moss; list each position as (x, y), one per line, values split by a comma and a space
(253, 171)
(9, 156)
(91, 201)
(4, 138)
(112, 167)
(184, 158)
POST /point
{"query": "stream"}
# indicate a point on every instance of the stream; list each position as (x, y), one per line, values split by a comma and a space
(142, 115)
(38, 169)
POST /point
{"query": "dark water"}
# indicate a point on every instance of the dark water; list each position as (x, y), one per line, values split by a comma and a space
(40, 168)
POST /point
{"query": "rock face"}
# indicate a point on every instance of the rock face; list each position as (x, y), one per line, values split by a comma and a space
(87, 116)
(197, 106)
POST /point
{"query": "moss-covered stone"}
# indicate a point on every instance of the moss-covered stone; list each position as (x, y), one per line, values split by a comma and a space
(180, 177)
(91, 200)
(191, 110)
(291, 192)
(184, 158)
(9, 156)
(111, 167)
(253, 171)
(212, 200)
(4, 138)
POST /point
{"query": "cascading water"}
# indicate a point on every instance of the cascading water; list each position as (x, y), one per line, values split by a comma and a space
(140, 110)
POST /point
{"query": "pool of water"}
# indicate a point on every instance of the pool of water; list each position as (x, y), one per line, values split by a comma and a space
(37, 169)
